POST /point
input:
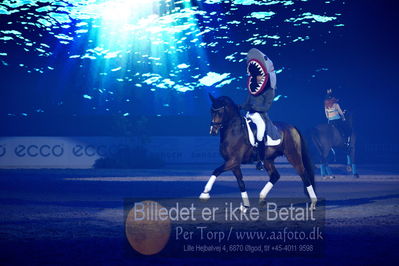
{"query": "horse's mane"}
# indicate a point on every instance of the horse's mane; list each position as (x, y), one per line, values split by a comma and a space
(226, 101)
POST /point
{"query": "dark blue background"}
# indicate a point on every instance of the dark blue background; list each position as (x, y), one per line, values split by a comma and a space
(362, 62)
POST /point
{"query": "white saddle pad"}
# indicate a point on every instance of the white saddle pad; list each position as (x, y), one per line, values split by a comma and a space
(251, 136)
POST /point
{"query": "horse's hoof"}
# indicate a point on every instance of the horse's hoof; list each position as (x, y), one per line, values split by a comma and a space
(243, 208)
(349, 169)
(328, 177)
(204, 196)
(262, 202)
(356, 176)
(312, 206)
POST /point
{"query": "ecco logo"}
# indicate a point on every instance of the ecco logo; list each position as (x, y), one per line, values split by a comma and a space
(41, 150)
(2, 150)
(92, 150)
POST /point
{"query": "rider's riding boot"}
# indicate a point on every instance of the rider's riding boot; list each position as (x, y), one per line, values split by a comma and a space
(260, 154)
(259, 166)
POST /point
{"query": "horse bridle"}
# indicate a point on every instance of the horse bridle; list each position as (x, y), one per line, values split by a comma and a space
(217, 123)
(217, 109)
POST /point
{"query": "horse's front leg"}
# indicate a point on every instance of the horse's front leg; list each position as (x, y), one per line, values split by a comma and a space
(274, 177)
(351, 166)
(244, 195)
(228, 165)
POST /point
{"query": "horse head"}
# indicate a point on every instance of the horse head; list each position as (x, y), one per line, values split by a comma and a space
(223, 109)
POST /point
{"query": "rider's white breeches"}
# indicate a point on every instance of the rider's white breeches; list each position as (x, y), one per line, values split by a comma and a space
(260, 124)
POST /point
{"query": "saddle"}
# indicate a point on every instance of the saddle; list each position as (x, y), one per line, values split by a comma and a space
(271, 135)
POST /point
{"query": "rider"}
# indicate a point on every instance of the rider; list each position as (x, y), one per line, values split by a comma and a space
(261, 88)
(336, 117)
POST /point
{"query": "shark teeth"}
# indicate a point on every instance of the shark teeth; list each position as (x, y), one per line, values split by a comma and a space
(255, 69)
(259, 86)
(258, 67)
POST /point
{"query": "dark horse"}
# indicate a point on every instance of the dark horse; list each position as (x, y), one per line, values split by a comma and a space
(236, 150)
(326, 137)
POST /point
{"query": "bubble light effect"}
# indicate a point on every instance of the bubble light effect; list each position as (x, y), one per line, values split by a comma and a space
(161, 46)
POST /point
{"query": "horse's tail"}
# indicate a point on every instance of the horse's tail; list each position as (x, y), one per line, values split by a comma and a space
(307, 162)
(316, 140)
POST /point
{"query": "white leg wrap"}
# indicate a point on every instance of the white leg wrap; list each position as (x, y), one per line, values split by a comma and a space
(266, 190)
(208, 186)
(245, 199)
(312, 195)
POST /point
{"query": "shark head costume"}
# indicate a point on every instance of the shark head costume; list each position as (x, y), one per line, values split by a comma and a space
(261, 86)
(261, 72)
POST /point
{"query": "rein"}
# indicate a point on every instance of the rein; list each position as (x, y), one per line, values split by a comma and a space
(217, 123)
(217, 109)
(221, 123)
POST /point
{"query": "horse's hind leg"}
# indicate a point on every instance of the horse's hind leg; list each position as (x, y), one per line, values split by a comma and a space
(297, 162)
(351, 159)
(323, 149)
(228, 165)
(244, 195)
(325, 170)
(274, 177)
